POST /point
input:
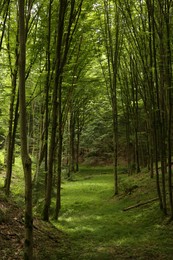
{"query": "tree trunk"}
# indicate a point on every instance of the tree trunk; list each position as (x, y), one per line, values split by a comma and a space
(72, 142)
(156, 114)
(10, 149)
(55, 104)
(170, 107)
(77, 142)
(47, 87)
(13, 115)
(112, 51)
(60, 138)
(26, 161)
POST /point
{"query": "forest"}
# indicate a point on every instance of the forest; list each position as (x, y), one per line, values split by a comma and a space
(86, 129)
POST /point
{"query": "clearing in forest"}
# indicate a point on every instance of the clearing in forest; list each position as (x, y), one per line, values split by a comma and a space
(99, 228)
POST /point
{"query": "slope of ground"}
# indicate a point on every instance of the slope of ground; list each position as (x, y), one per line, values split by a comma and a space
(49, 242)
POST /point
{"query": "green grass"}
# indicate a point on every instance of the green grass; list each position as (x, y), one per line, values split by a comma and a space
(94, 220)
(99, 228)
(17, 181)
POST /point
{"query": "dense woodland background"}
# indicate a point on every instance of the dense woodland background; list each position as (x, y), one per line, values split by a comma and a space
(85, 82)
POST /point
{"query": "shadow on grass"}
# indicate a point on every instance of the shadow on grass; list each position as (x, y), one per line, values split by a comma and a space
(99, 229)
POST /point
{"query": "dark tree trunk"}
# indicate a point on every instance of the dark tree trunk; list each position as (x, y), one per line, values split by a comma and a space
(113, 55)
(26, 161)
(13, 115)
(55, 104)
(60, 139)
(170, 105)
(10, 149)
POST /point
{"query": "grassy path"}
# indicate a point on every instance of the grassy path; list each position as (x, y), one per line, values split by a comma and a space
(99, 229)
(93, 222)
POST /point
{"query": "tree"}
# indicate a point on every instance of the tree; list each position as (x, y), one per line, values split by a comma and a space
(14, 103)
(26, 160)
(67, 22)
(112, 39)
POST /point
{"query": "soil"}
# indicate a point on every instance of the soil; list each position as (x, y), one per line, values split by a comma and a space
(49, 242)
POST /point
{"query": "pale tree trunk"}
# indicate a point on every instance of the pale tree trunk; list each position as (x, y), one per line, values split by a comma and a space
(71, 169)
(134, 83)
(77, 142)
(26, 161)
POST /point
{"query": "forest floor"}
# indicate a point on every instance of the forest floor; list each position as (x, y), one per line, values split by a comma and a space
(93, 223)
(48, 240)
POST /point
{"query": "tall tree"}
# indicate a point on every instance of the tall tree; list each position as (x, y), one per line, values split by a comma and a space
(55, 104)
(14, 103)
(113, 40)
(26, 160)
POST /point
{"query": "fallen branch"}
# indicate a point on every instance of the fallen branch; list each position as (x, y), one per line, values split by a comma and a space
(140, 204)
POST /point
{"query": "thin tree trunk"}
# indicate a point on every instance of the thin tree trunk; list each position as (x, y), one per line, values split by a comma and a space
(156, 113)
(10, 149)
(72, 142)
(60, 139)
(170, 107)
(13, 115)
(47, 87)
(26, 160)
(55, 104)
(113, 50)
(77, 143)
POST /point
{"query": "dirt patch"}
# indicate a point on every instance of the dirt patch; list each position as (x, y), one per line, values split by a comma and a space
(49, 242)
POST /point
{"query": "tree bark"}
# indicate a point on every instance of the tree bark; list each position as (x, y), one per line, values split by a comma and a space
(55, 103)
(113, 55)
(26, 160)
(10, 149)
